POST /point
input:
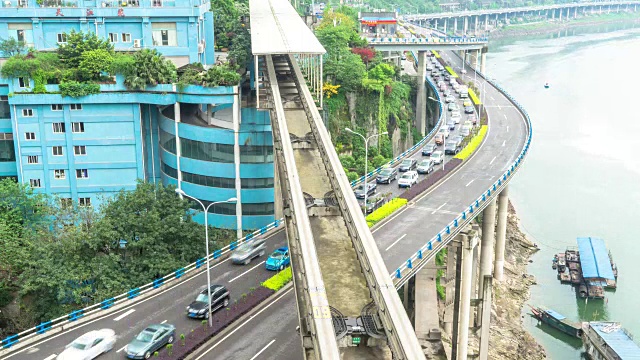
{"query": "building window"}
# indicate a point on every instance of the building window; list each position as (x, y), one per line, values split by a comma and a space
(57, 151)
(62, 38)
(21, 31)
(27, 112)
(5, 109)
(66, 202)
(59, 174)
(126, 37)
(156, 3)
(32, 159)
(56, 107)
(82, 174)
(247, 209)
(84, 201)
(164, 34)
(80, 150)
(35, 183)
(113, 37)
(76, 106)
(23, 82)
(217, 182)
(77, 127)
(7, 152)
(58, 127)
(30, 136)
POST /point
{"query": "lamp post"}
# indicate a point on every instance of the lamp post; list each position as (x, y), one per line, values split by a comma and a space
(366, 161)
(206, 235)
(444, 138)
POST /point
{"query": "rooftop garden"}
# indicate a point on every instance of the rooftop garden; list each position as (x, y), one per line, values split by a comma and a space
(86, 61)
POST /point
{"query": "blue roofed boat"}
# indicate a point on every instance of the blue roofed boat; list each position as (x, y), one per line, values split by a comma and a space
(557, 321)
(609, 341)
(594, 259)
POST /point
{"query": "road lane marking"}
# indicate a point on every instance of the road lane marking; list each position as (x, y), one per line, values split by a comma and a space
(469, 183)
(164, 321)
(504, 142)
(263, 349)
(122, 348)
(50, 357)
(492, 99)
(492, 160)
(440, 207)
(241, 325)
(395, 242)
(121, 316)
(505, 116)
(239, 276)
(499, 108)
(507, 129)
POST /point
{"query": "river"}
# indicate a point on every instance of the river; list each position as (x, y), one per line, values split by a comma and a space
(582, 175)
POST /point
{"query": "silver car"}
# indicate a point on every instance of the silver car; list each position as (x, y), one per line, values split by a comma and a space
(249, 250)
(89, 345)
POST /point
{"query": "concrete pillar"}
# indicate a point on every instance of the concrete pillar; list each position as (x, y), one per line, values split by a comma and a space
(455, 25)
(486, 22)
(485, 322)
(468, 243)
(277, 192)
(483, 60)
(486, 246)
(236, 159)
(553, 14)
(450, 288)
(445, 26)
(421, 101)
(178, 118)
(426, 300)
(436, 25)
(503, 203)
(466, 25)
(475, 27)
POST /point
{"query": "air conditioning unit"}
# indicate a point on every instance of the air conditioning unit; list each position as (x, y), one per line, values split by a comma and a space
(136, 43)
(200, 48)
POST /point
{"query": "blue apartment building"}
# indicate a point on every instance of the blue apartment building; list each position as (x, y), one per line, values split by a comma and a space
(85, 149)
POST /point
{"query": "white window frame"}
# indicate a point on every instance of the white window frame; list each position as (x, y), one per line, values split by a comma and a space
(59, 174)
(53, 150)
(79, 125)
(82, 171)
(27, 112)
(84, 202)
(35, 183)
(66, 202)
(32, 159)
(58, 128)
(126, 37)
(113, 37)
(76, 107)
(31, 136)
(82, 148)
(62, 38)
(23, 82)
(56, 107)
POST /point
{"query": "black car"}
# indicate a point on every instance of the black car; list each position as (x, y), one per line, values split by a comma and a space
(468, 109)
(387, 175)
(428, 149)
(373, 203)
(451, 148)
(359, 191)
(408, 164)
(219, 299)
(447, 77)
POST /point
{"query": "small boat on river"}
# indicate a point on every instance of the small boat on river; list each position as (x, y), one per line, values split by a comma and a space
(546, 85)
(557, 321)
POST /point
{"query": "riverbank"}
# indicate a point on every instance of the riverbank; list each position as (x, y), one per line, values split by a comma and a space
(546, 27)
(508, 338)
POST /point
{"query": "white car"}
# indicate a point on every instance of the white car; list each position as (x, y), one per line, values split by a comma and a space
(444, 131)
(449, 99)
(455, 113)
(463, 71)
(89, 345)
(408, 179)
(437, 157)
(456, 119)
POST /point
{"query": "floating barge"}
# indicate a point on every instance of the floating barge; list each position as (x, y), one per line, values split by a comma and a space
(590, 268)
(609, 341)
(557, 321)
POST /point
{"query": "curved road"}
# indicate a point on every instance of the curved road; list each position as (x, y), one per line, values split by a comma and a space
(271, 333)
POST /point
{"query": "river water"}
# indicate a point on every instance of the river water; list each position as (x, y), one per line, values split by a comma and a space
(582, 176)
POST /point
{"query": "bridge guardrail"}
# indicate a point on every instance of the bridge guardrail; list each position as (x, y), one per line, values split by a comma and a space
(136, 293)
(412, 150)
(456, 40)
(429, 250)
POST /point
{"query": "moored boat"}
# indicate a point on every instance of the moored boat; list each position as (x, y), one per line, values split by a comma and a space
(557, 321)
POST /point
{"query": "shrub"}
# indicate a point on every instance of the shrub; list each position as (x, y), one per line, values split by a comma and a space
(77, 43)
(217, 75)
(77, 89)
(94, 62)
(385, 210)
(473, 144)
(450, 70)
(279, 280)
(150, 68)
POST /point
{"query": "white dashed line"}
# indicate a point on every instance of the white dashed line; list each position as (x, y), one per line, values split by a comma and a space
(244, 273)
(505, 116)
(504, 142)
(50, 357)
(124, 314)
(122, 348)
(507, 129)
(263, 349)
(395, 242)
(440, 207)
(164, 321)
(469, 183)
(492, 160)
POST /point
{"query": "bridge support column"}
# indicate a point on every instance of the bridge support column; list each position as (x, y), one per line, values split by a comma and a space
(575, 14)
(236, 159)
(486, 317)
(436, 24)
(466, 25)
(450, 288)
(468, 243)
(503, 203)
(277, 193)
(421, 101)
(486, 22)
(445, 26)
(486, 248)
(475, 27)
(553, 14)
(427, 325)
(455, 26)
(483, 60)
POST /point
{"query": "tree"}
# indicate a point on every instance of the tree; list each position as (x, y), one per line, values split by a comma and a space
(350, 71)
(11, 47)
(367, 54)
(95, 62)
(150, 68)
(77, 43)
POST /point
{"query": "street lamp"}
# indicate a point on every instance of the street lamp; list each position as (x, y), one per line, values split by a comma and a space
(206, 235)
(444, 138)
(366, 161)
